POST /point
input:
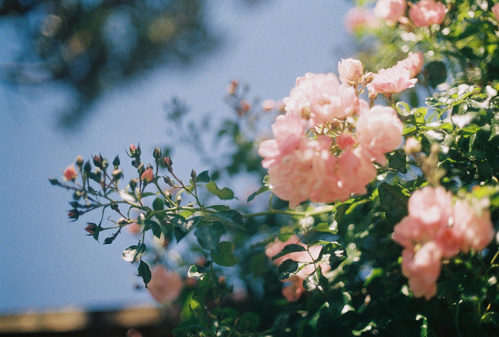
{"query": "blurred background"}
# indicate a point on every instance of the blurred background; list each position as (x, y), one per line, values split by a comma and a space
(83, 77)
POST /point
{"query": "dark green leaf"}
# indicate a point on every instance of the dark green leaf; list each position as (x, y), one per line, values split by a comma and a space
(144, 272)
(158, 204)
(393, 201)
(397, 160)
(224, 254)
(230, 218)
(250, 321)
(435, 73)
(203, 177)
(287, 268)
(209, 234)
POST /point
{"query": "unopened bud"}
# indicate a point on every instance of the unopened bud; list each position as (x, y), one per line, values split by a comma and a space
(168, 180)
(231, 89)
(157, 153)
(117, 174)
(87, 167)
(193, 175)
(147, 175)
(98, 161)
(79, 161)
(135, 151)
(167, 162)
(116, 161)
(91, 228)
(114, 206)
(133, 183)
(74, 214)
(368, 77)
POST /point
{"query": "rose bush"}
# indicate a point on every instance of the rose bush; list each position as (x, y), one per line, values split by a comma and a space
(383, 185)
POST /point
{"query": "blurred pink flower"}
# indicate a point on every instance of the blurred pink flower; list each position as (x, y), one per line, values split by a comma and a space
(414, 63)
(321, 99)
(427, 12)
(70, 173)
(475, 230)
(390, 81)
(268, 104)
(293, 288)
(412, 146)
(495, 11)
(390, 10)
(351, 71)
(165, 286)
(277, 246)
(289, 133)
(422, 268)
(379, 130)
(359, 18)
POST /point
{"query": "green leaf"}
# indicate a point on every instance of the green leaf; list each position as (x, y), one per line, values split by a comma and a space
(250, 321)
(144, 272)
(158, 204)
(133, 253)
(156, 227)
(291, 248)
(260, 191)
(209, 234)
(287, 268)
(196, 271)
(230, 218)
(393, 201)
(224, 193)
(224, 254)
(397, 160)
(203, 177)
(435, 73)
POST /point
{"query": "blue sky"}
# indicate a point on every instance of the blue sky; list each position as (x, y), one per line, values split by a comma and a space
(47, 262)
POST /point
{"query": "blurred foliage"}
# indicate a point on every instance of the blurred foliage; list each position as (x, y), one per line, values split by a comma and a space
(90, 46)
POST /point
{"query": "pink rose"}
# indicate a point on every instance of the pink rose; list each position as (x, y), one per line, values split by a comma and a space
(495, 10)
(379, 130)
(390, 81)
(70, 173)
(355, 171)
(413, 63)
(321, 99)
(277, 246)
(475, 230)
(293, 288)
(289, 132)
(422, 268)
(390, 10)
(427, 12)
(165, 286)
(359, 18)
(351, 71)
(412, 146)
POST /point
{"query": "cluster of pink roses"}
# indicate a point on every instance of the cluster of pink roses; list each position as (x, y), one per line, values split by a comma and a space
(293, 286)
(423, 13)
(348, 136)
(436, 229)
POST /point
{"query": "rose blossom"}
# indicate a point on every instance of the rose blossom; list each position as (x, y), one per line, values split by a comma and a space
(495, 11)
(289, 131)
(391, 80)
(321, 99)
(351, 71)
(475, 230)
(165, 286)
(293, 288)
(379, 130)
(147, 175)
(413, 63)
(70, 173)
(422, 268)
(359, 18)
(390, 10)
(427, 12)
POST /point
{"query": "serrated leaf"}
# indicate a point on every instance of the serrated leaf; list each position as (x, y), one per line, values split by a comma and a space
(209, 234)
(224, 254)
(260, 191)
(158, 204)
(203, 177)
(230, 218)
(287, 268)
(224, 193)
(144, 272)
